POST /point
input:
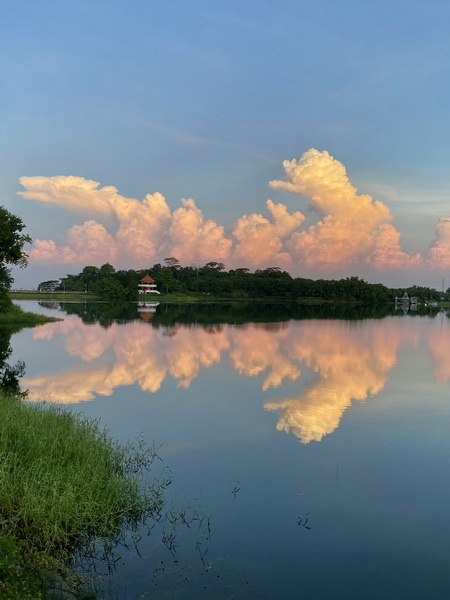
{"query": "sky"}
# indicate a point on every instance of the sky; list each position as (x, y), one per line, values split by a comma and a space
(309, 136)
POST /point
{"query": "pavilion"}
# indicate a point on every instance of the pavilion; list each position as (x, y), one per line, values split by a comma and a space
(147, 285)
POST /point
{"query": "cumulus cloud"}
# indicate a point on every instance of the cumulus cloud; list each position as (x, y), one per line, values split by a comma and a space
(196, 238)
(260, 242)
(352, 230)
(145, 231)
(73, 193)
(48, 251)
(440, 248)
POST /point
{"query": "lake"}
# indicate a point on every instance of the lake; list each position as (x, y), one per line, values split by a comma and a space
(310, 449)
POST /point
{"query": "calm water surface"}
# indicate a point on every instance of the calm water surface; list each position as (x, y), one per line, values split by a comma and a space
(319, 447)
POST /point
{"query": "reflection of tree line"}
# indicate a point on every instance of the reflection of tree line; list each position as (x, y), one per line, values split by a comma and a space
(213, 313)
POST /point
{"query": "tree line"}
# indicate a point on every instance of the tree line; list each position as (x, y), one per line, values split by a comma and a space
(212, 279)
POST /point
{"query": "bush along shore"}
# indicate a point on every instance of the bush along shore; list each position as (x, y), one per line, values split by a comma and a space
(68, 492)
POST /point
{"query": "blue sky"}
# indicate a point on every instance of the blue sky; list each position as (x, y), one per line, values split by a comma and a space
(206, 99)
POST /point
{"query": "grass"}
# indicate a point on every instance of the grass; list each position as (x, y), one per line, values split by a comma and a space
(68, 296)
(175, 297)
(65, 486)
(16, 316)
(17, 582)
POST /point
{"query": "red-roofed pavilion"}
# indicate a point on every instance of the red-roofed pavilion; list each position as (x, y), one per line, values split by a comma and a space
(147, 285)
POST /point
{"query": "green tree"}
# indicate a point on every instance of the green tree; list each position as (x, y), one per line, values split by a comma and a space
(89, 276)
(48, 286)
(12, 241)
(72, 283)
(166, 282)
(107, 270)
(215, 265)
(171, 261)
(109, 288)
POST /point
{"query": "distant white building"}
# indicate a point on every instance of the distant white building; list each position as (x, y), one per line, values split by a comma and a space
(147, 285)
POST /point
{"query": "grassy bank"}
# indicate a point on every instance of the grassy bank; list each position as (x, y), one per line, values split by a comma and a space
(65, 484)
(67, 296)
(15, 316)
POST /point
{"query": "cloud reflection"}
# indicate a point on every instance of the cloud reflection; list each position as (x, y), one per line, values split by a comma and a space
(345, 361)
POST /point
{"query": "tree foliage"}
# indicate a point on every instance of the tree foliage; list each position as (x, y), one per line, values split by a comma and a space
(12, 241)
(48, 286)
(212, 279)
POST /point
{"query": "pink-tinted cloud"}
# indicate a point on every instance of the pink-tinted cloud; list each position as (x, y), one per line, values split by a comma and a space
(73, 193)
(440, 247)
(353, 230)
(145, 231)
(196, 238)
(48, 251)
(260, 242)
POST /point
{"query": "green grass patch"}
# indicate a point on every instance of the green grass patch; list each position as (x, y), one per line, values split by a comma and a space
(176, 297)
(18, 582)
(67, 296)
(67, 488)
(16, 316)
(313, 301)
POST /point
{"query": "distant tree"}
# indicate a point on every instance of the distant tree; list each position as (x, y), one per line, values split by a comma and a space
(90, 276)
(12, 241)
(171, 261)
(109, 288)
(107, 270)
(48, 286)
(219, 266)
(129, 280)
(166, 282)
(240, 271)
(72, 283)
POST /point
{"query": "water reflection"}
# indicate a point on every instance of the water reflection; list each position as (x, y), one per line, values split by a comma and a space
(346, 360)
(9, 374)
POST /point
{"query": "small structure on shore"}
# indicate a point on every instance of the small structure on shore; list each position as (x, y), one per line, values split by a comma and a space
(406, 303)
(147, 285)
